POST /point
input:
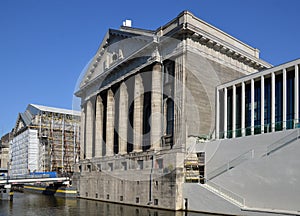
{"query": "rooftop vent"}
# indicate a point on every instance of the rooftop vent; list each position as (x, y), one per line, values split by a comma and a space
(127, 23)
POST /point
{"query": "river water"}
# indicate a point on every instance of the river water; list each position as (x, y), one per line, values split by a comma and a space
(28, 204)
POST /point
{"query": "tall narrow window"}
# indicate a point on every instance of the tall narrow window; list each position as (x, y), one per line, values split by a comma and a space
(257, 107)
(238, 111)
(278, 102)
(229, 113)
(290, 86)
(170, 116)
(267, 108)
(248, 109)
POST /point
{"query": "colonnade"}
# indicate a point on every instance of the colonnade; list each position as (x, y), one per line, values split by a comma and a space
(260, 103)
(109, 112)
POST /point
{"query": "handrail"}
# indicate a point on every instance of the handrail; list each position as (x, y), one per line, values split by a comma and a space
(282, 142)
(258, 129)
(231, 164)
(225, 193)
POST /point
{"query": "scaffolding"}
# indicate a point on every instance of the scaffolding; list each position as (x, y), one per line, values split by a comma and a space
(58, 135)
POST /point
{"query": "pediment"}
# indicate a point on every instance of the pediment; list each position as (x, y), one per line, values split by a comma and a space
(117, 46)
(20, 124)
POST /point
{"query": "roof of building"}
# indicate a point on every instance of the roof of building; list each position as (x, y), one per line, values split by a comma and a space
(54, 109)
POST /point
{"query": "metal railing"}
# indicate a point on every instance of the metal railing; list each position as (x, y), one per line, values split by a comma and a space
(224, 193)
(282, 142)
(231, 164)
(259, 129)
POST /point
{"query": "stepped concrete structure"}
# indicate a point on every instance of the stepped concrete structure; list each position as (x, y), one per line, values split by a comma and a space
(167, 123)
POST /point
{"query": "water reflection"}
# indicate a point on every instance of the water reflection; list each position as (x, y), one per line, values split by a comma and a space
(37, 205)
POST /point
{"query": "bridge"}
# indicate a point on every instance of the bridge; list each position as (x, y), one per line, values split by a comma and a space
(32, 179)
(6, 182)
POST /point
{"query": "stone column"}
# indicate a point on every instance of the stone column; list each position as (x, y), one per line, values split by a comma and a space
(273, 102)
(284, 99)
(156, 106)
(82, 132)
(252, 106)
(296, 95)
(243, 110)
(225, 112)
(99, 127)
(262, 103)
(110, 123)
(138, 113)
(89, 129)
(233, 111)
(123, 118)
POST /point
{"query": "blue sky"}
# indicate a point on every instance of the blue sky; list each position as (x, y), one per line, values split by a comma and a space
(44, 45)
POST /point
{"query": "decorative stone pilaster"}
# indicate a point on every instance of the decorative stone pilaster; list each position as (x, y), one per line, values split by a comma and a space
(89, 129)
(110, 122)
(99, 127)
(138, 113)
(123, 118)
(156, 107)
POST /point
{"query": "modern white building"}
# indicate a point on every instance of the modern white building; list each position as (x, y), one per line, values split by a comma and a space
(45, 139)
(262, 102)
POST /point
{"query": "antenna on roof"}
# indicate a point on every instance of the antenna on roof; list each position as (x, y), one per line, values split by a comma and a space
(127, 23)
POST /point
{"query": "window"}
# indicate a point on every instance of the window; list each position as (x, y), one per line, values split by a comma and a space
(170, 116)
(124, 165)
(248, 109)
(229, 113)
(110, 166)
(267, 105)
(160, 164)
(140, 164)
(278, 102)
(137, 200)
(89, 168)
(257, 107)
(290, 94)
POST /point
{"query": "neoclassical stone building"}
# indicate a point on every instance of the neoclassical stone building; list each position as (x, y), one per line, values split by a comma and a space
(146, 98)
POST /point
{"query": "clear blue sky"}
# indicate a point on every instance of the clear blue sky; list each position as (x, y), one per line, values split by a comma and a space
(45, 44)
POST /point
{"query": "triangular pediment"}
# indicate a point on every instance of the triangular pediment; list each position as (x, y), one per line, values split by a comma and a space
(116, 47)
(20, 124)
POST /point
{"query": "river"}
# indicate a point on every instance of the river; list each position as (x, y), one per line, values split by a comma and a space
(27, 204)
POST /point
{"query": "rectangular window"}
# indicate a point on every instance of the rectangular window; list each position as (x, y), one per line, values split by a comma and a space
(229, 113)
(278, 101)
(140, 164)
(290, 94)
(238, 111)
(248, 109)
(110, 166)
(257, 107)
(267, 105)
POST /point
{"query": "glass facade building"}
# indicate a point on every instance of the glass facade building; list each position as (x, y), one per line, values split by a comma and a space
(263, 102)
